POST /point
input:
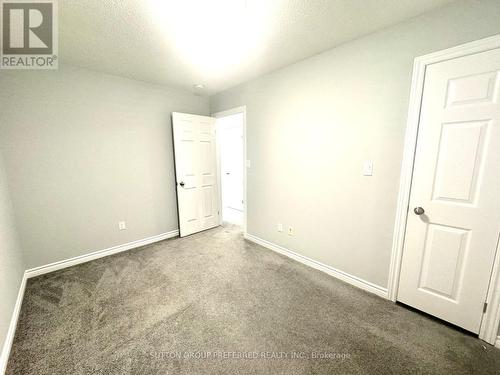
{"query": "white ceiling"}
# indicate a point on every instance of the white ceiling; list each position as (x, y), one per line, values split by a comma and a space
(218, 43)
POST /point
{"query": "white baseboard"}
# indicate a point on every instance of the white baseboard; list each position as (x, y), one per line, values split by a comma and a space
(350, 279)
(98, 254)
(4, 356)
(497, 342)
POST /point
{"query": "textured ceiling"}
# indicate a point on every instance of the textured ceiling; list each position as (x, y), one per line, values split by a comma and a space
(218, 43)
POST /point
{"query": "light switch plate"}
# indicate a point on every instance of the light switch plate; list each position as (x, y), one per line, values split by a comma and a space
(249, 164)
(368, 168)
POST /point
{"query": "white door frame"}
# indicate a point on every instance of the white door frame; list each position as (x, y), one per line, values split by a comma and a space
(229, 112)
(491, 319)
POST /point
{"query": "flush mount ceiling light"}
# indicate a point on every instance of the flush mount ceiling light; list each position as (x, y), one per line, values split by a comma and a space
(213, 36)
(199, 86)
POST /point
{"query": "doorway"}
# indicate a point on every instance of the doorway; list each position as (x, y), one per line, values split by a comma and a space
(230, 127)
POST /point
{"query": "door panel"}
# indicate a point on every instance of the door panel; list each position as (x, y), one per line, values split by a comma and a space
(442, 268)
(449, 250)
(461, 144)
(473, 89)
(196, 171)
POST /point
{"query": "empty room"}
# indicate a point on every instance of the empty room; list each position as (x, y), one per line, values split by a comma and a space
(249, 187)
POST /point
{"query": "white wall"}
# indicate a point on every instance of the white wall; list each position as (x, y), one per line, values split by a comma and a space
(11, 259)
(311, 125)
(84, 150)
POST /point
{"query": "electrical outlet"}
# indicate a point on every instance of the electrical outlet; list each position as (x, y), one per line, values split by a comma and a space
(122, 225)
(290, 231)
(280, 227)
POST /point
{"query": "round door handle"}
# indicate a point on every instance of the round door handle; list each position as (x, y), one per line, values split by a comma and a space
(418, 210)
(182, 183)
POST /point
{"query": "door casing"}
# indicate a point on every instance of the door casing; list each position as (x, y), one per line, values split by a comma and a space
(491, 318)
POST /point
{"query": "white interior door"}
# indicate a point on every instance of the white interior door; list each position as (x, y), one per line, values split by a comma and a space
(196, 172)
(450, 248)
(231, 148)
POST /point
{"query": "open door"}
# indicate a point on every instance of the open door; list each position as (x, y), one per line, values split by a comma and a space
(196, 172)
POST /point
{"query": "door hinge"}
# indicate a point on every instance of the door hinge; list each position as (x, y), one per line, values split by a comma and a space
(485, 306)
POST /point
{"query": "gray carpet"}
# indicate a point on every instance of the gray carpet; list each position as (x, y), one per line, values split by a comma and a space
(213, 303)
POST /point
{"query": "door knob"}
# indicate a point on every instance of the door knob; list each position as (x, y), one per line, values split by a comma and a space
(418, 210)
(182, 183)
